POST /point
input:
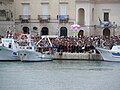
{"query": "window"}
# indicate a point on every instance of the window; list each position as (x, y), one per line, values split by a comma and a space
(45, 9)
(63, 9)
(106, 16)
(26, 8)
(45, 12)
(29, 47)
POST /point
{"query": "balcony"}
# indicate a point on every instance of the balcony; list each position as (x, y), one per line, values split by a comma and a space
(44, 18)
(24, 18)
(63, 18)
(6, 15)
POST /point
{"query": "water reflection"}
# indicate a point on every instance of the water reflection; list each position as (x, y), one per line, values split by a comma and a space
(85, 65)
(60, 75)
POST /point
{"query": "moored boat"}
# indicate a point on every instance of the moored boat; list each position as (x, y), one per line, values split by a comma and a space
(8, 49)
(28, 54)
(32, 52)
(110, 54)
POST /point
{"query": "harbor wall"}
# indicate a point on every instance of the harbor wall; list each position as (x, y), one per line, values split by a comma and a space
(77, 56)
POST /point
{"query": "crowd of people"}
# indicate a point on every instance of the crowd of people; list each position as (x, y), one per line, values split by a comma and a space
(80, 44)
(83, 44)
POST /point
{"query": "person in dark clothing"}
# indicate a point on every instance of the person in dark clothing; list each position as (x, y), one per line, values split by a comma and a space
(77, 48)
(68, 48)
(72, 48)
(65, 48)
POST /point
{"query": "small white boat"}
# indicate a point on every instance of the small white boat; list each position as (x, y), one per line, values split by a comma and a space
(29, 54)
(8, 49)
(33, 52)
(110, 55)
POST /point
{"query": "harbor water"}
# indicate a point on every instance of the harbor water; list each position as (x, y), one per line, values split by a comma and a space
(60, 75)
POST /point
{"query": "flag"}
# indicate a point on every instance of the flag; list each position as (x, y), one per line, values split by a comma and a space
(103, 24)
(100, 21)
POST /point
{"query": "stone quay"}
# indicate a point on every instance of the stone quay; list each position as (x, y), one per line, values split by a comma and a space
(77, 56)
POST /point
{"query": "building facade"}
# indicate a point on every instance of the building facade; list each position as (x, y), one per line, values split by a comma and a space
(6, 16)
(54, 17)
(98, 17)
(44, 17)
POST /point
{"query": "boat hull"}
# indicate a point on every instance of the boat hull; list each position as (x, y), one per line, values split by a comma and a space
(109, 55)
(7, 54)
(26, 55)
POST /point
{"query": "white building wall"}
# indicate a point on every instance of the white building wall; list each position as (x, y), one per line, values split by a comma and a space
(88, 17)
(114, 12)
(72, 11)
(7, 22)
(35, 9)
(88, 12)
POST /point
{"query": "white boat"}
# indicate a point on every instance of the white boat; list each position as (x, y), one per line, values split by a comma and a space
(8, 49)
(32, 55)
(110, 55)
(33, 52)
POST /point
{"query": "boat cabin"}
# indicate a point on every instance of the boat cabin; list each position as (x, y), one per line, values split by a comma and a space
(25, 42)
(9, 42)
(116, 48)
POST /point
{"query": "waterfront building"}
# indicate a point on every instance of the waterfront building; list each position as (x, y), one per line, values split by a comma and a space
(7, 22)
(54, 17)
(45, 17)
(90, 13)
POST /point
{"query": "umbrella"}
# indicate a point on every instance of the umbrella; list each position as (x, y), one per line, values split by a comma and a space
(75, 26)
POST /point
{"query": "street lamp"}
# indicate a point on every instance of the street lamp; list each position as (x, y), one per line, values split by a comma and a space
(114, 27)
